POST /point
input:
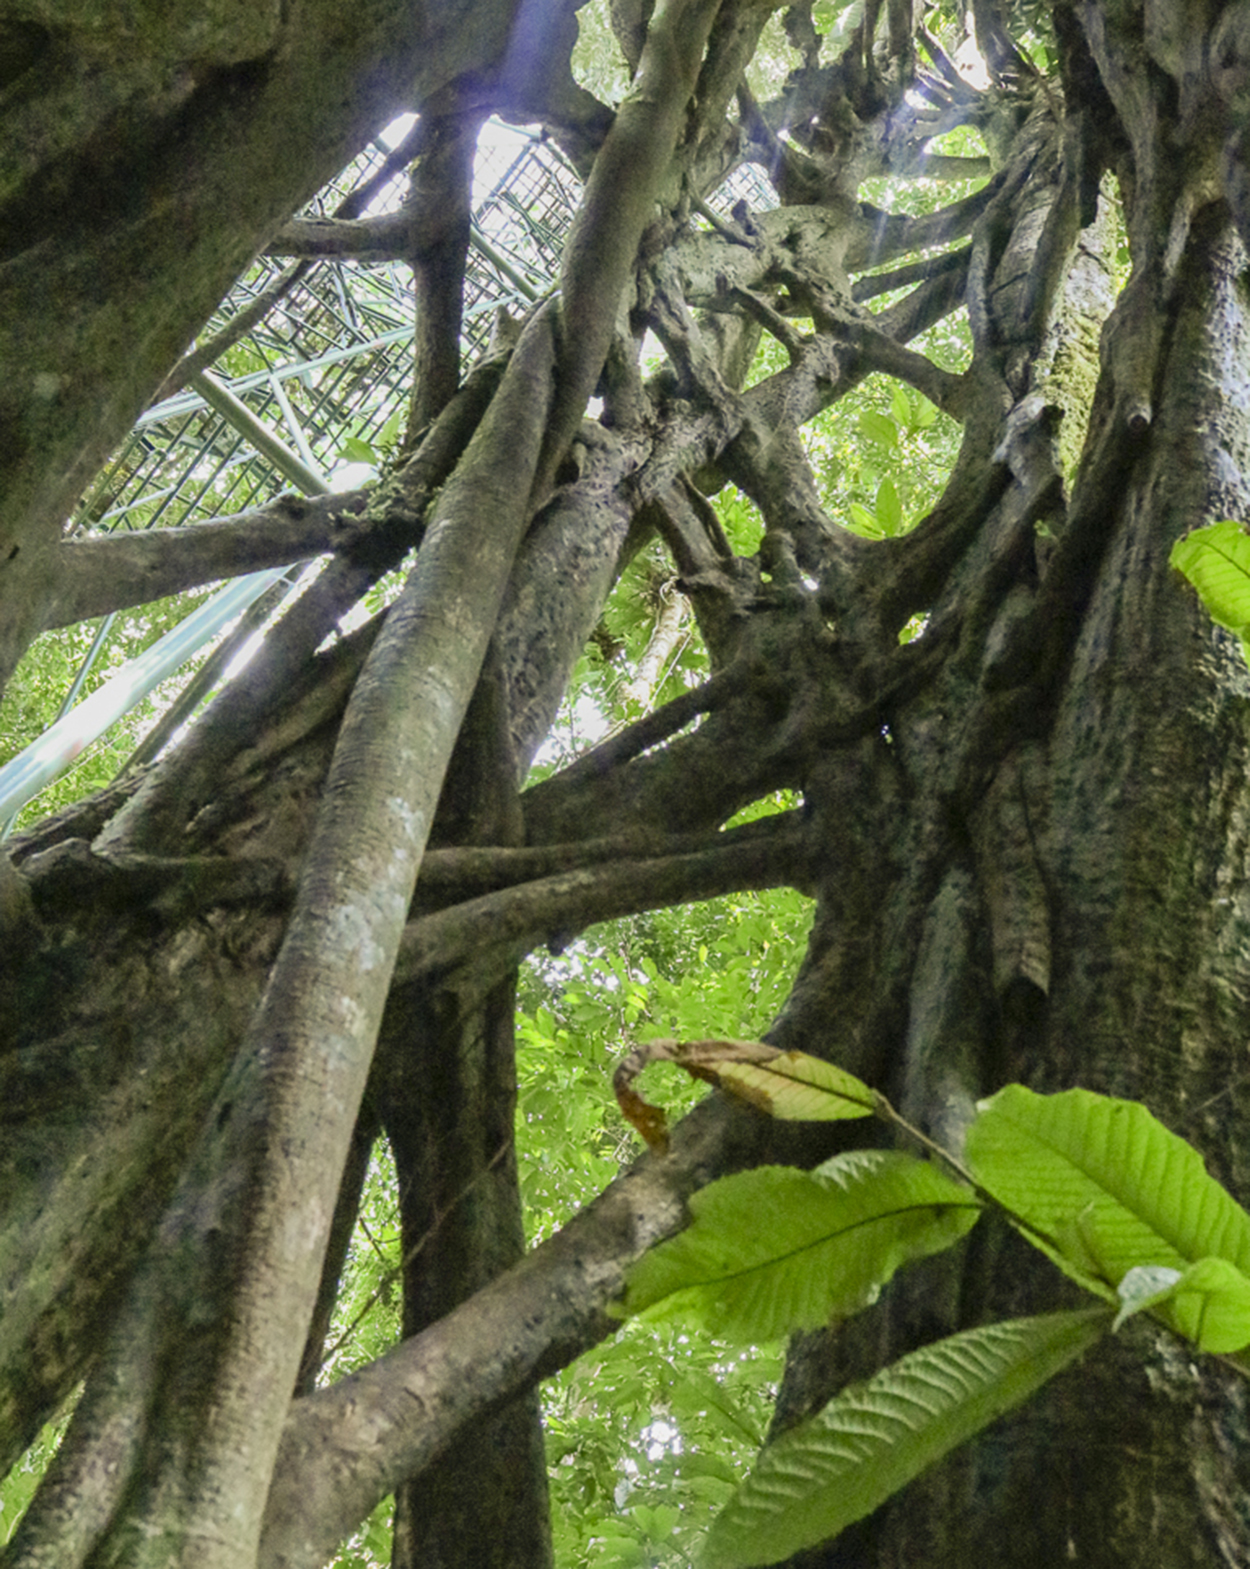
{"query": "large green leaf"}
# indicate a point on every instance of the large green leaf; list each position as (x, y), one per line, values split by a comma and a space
(1216, 560)
(879, 428)
(875, 1437)
(694, 1393)
(775, 1249)
(1106, 1182)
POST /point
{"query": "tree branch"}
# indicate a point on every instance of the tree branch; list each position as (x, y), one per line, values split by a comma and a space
(872, 284)
(647, 732)
(116, 571)
(382, 237)
(450, 876)
(440, 228)
(942, 292)
(344, 1448)
(242, 1246)
(888, 235)
(603, 241)
(239, 325)
(555, 909)
(189, 776)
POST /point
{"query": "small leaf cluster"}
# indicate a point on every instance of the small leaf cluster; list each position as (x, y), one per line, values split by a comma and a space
(647, 1437)
(881, 457)
(726, 964)
(1121, 1205)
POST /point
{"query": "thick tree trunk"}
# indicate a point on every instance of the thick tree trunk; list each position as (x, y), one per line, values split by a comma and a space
(484, 1501)
(445, 1087)
(1027, 830)
(1077, 916)
(1131, 800)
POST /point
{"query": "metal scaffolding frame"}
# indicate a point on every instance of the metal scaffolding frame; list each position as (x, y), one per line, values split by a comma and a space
(324, 370)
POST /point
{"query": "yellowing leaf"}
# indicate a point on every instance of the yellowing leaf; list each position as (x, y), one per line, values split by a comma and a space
(786, 1084)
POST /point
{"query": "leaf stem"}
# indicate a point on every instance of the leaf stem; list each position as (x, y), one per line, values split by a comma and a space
(886, 1112)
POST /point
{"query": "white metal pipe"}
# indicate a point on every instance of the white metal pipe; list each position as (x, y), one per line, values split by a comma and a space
(35, 768)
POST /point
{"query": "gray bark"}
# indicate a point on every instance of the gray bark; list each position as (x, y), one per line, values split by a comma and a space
(1026, 831)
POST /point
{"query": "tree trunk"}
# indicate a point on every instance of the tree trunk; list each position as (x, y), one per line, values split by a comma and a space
(1075, 917)
(1025, 829)
(445, 1085)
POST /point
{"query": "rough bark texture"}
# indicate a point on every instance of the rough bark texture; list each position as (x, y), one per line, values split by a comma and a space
(1027, 831)
(446, 1093)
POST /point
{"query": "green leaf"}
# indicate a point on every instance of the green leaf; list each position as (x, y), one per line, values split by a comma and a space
(1107, 1183)
(389, 433)
(1209, 1303)
(792, 1085)
(1216, 560)
(879, 428)
(876, 1437)
(776, 1249)
(693, 1393)
(787, 1084)
(865, 521)
(620, 1552)
(826, 11)
(889, 508)
(657, 1521)
(697, 1463)
(357, 451)
(900, 407)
